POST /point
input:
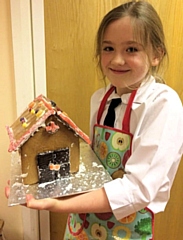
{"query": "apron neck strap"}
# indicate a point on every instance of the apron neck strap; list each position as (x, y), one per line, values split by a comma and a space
(126, 119)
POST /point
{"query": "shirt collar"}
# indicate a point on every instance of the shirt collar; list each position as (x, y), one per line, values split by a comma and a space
(142, 92)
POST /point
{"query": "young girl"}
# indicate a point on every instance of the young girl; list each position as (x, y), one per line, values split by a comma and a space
(136, 128)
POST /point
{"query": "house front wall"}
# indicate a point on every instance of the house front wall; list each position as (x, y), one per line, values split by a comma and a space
(42, 142)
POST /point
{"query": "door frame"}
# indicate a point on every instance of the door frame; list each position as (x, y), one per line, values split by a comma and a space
(27, 19)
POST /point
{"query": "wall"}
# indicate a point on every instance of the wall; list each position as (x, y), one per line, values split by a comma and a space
(11, 215)
(70, 28)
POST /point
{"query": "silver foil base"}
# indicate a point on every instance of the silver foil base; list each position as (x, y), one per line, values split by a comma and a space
(91, 176)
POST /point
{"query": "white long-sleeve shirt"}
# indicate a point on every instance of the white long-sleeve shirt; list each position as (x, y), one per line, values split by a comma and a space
(157, 127)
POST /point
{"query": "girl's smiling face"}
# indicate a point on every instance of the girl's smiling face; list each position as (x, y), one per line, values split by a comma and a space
(124, 61)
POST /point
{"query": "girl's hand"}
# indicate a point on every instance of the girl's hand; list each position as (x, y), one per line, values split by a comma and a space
(94, 201)
(42, 204)
(47, 204)
(31, 202)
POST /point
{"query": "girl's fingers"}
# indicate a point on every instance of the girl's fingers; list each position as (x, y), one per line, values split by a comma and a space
(41, 204)
(7, 191)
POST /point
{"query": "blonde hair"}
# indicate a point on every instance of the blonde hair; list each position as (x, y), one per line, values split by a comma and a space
(148, 29)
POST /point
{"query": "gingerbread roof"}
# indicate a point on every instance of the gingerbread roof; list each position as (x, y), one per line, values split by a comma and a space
(34, 117)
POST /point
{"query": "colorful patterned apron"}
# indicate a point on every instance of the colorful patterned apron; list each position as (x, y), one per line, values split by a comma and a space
(113, 148)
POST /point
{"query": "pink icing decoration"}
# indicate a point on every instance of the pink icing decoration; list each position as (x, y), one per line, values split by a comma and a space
(15, 144)
(52, 127)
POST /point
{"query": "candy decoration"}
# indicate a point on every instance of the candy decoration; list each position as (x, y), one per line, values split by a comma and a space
(39, 113)
(23, 119)
(31, 105)
(55, 167)
(24, 125)
(32, 111)
(53, 103)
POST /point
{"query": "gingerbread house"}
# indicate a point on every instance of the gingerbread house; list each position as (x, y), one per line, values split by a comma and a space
(47, 141)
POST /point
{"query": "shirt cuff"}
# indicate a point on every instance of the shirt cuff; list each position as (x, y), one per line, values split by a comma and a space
(120, 199)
